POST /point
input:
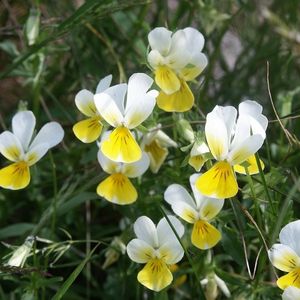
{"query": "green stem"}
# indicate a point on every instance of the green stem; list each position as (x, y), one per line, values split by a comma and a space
(256, 205)
(264, 182)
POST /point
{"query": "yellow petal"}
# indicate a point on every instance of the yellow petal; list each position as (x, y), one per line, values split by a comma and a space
(15, 176)
(118, 189)
(180, 101)
(204, 235)
(291, 279)
(218, 182)
(121, 146)
(167, 80)
(196, 162)
(88, 130)
(157, 155)
(155, 275)
(190, 73)
(252, 168)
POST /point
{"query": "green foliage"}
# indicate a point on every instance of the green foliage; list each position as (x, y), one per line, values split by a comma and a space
(49, 50)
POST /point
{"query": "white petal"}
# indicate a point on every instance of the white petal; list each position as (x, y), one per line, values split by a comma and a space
(137, 168)
(222, 285)
(291, 293)
(23, 124)
(245, 149)
(84, 101)
(259, 125)
(140, 109)
(257, 120)
(10, 146)
(165, 233)
(217, 134)
(139, 251)
(103, 84)
(283, 257)
(208, 207)
(289, 235)
(51, 134)
(250, 107)
(199, 149)
(160, 39)
(117, 93)
(194, 38)
(36, 153)
(155, 59)
(242, 131)
(110, 110)
(138, 85)
(185, 212)
(179, 55)
(164, 140)
(199, 60)
(177, 193)
(171, 252)
(145, 230)
(108, 165)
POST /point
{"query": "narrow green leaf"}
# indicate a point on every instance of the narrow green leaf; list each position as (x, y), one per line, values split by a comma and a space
(64, 288)
(15, 230)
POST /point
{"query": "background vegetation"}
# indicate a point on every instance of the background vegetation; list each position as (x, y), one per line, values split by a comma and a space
(49, 50)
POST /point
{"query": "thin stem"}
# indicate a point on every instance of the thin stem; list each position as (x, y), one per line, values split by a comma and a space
(264, 182)
(256, 205)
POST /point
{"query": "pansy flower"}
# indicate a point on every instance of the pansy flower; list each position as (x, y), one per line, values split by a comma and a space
(231, 142)
(23, 150)
(121, 145)
(286, 255)
(198, 210)
(176, 58)
(89, 130)
(155, 144)
(157, 247)
(117, 188)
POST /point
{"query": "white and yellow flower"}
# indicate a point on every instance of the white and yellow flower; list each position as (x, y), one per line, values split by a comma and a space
(199, 152)
(291, 293)
(19, 147)
(286, 255)
(89, 130)
(121, 145)
(199, 211)
(155, 144)
(157, 247)
(117, 188)
(197, 155)
(176, 58)
(231, 143)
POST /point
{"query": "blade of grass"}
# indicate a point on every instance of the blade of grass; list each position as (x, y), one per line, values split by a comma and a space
(67, 284)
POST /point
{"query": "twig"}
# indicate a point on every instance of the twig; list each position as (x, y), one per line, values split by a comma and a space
(288, 135)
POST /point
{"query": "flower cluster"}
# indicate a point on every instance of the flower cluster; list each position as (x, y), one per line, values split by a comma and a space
(114, 114)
